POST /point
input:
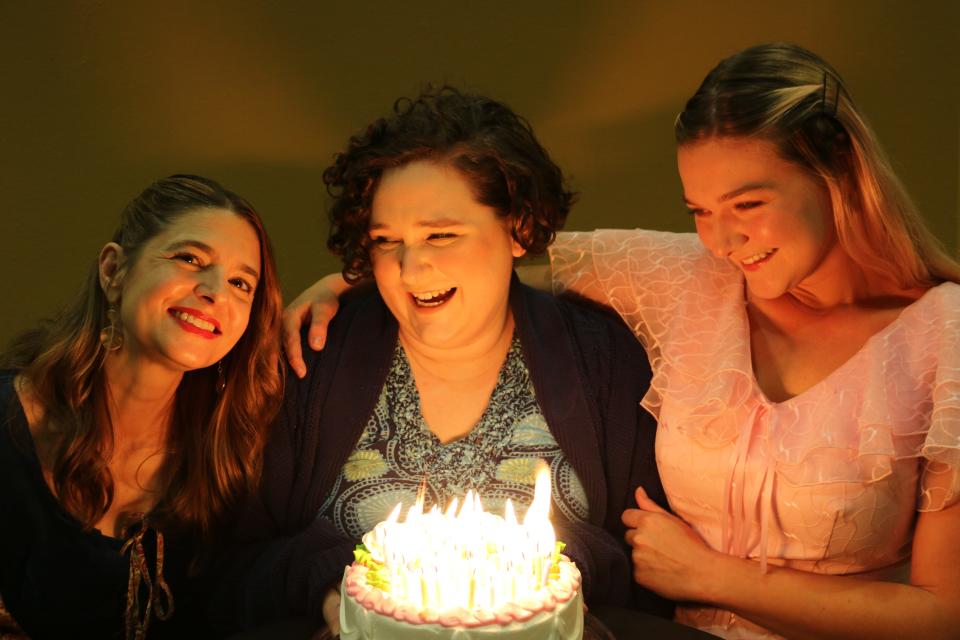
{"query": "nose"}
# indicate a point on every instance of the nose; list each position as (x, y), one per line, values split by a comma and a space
(210, 285)
(414, 264)
(726, 235)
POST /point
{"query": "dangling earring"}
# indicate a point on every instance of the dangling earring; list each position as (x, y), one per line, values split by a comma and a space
(221, 380)
(111, 337)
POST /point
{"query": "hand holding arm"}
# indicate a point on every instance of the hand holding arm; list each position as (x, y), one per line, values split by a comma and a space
(666, 552)
(671, 559)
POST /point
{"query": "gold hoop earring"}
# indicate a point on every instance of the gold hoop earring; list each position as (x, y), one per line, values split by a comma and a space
(111, 336)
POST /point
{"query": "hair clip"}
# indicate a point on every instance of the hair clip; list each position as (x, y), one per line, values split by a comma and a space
(829, 111)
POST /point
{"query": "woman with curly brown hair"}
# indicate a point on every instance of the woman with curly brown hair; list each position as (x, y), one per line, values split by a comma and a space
(134, 421)
(451, 374)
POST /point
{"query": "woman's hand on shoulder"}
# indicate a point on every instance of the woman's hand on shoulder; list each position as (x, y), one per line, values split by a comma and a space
(316, 306)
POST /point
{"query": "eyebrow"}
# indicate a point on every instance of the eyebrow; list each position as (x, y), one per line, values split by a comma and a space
(752, 186)
(429, 224)
(203, 246)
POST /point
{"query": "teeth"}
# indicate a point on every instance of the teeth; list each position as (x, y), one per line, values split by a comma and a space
(758, 257)
(429, 298)
(427, 295)
(197, 322)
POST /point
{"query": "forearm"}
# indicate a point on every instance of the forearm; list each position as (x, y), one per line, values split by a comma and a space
(335, 283)
(800, 604)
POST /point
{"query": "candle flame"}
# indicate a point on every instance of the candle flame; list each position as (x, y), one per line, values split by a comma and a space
(452, 509)
(395, 514)
(464, 556)
(509, 514)
(540, 507)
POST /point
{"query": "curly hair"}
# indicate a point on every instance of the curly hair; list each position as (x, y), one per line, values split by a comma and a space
(490, 145)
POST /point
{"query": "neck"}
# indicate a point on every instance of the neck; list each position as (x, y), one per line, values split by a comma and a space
(838, 282)
(140, 400)
(465, 362)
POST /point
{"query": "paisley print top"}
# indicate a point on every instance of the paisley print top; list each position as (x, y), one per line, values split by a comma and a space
(397, 453)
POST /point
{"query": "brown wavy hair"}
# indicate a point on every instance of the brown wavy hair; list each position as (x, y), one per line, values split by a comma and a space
(216, 438)
(490, 145)
(787, 95)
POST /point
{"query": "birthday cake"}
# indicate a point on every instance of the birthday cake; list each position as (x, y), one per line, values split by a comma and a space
(462, 574)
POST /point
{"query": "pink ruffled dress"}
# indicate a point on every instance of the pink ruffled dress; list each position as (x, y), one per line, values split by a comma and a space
(829, 481)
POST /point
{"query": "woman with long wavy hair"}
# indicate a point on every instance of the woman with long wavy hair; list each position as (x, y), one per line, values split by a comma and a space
(135, 419)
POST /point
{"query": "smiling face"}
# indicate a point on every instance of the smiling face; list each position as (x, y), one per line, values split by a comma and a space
(767, 216)
(185, 300)
(441, 260)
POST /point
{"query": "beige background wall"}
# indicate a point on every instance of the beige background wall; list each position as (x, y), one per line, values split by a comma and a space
(101, 97)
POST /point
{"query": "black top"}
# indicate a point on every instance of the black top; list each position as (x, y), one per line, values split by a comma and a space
(57, 579)
(589, 374)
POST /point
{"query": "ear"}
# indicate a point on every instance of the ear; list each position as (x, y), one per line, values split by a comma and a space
(111, 266)
(513, 226)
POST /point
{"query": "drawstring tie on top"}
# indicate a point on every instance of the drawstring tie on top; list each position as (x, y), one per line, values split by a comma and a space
(159, 601)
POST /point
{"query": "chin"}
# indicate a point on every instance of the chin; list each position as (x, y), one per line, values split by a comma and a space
(189, 362)
(435, 340)
(435, 335)
(765, 291)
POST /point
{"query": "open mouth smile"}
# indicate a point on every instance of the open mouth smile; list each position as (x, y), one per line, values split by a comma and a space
(433, 298)
(754, 261)
(196, 322)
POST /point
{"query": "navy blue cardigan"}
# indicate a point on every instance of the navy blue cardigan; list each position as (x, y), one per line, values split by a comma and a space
(589, 373)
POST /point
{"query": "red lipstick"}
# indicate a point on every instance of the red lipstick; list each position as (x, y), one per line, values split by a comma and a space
(209, 335)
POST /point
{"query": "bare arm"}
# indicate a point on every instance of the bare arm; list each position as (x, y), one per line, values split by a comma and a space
(671, 559)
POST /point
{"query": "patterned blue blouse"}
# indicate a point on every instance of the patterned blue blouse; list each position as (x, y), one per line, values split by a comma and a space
(498, 457)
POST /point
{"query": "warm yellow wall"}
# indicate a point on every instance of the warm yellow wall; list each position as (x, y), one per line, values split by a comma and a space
(99, 98)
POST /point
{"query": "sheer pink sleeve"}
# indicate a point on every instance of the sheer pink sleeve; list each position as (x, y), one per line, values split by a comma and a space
(940, 482)
(663, 285)
(639, 273)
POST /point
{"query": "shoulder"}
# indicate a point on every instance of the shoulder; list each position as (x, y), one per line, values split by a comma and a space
(650, 237)
(619, 241)
(596, 332)
(19, 413)
(938, 317)
(15, 390)
(946, 297)
(578, 312)
(7, 381)
(361, 310)
(935, 317)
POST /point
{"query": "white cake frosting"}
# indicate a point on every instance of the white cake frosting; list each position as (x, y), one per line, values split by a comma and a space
(367, 613)
(463, 574)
